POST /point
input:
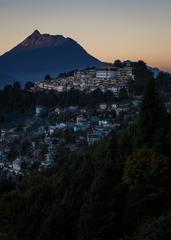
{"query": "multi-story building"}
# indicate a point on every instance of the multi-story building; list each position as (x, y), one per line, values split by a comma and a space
(125, 73)
(88, 73)
(106, 73)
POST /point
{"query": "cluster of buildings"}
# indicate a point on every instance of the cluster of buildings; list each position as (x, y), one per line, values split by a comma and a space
(39, 141)
(107, 72)
(106, 78)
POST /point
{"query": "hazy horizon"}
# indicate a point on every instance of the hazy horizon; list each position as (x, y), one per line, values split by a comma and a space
(108, 30)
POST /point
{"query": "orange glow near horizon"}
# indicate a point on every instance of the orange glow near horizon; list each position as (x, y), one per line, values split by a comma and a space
(107, 29)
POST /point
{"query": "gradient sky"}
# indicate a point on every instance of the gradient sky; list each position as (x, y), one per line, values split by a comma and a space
(108, 29)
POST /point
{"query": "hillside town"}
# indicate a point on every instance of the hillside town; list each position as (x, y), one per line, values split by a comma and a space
(79, 116)
(48, 133)
(106, 78)
(41, 139)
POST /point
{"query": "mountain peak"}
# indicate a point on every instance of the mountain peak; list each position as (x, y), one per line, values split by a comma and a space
(40, 54)
(37, 40)
(36, 32)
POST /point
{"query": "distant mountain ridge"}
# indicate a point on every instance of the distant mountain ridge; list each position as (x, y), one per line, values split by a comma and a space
(40, 54)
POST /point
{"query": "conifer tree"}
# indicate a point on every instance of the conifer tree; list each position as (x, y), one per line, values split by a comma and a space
(153, 122)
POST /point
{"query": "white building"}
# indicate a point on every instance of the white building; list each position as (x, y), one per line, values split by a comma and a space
(106, 73)
(16, 165)
(115, 89)
(103, 106)
(125, 73)
(87, 73)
